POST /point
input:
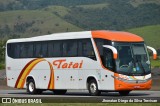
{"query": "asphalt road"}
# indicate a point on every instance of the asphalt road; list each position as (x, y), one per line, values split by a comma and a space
(77, 93)
(81, 96)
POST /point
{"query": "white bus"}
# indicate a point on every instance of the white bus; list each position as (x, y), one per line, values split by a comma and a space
(98, 61)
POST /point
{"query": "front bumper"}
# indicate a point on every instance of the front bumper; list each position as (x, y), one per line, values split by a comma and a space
(120, 85)
(122, 82)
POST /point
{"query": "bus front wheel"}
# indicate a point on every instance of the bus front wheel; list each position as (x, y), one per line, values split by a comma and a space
(93, 88)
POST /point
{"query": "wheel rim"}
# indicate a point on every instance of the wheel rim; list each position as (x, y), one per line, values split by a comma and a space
(31, 86)
(93, 88)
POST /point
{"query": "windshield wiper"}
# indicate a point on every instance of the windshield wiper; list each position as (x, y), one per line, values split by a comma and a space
(142, 68)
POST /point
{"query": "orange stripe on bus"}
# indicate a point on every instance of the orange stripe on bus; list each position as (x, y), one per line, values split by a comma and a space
(18, 79)
(28, 68)
(27, 71)
(51, 81)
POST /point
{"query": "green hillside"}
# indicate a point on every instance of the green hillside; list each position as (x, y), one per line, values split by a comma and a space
(25, 23)
(94, 6)
(57, 10)
(25, 18)
(151, 34)
(136, 3)
(117, 15)
(6, 1)
(6, 5)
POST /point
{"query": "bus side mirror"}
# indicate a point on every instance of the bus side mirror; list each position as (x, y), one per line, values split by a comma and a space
(114, 50)
(154, 52)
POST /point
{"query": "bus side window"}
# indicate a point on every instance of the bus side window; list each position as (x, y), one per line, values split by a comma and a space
(108, 59)
(70, 48)
(65, 45)
(41, 49)
(16, 49)
(100, 43)
(22, 51)
(37, 49)
(26, 50)
(30, 50)
(11, 50)
(54, 49)
(85, 49)
(73, 48)
(57, 52)
(44, 49)
(50, 49)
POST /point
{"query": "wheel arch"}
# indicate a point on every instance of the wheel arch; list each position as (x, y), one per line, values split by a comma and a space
(30, 77)
(92, 78)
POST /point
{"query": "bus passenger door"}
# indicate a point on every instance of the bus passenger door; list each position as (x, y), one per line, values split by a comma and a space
(106, 74)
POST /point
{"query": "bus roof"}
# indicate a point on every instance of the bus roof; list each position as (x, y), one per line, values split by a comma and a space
(56, 36)
(109, 35)
(117, 36)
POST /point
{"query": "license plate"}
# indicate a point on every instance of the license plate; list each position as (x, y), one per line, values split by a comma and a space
(136, 86)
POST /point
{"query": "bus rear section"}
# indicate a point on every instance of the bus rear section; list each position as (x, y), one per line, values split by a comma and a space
(98, 61)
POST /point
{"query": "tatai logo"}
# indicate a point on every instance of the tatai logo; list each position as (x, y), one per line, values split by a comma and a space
(64, 64)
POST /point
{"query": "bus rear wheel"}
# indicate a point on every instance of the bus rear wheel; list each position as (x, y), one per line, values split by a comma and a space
(93, 88)
(31, 87)
(59, 92)
(124, 93)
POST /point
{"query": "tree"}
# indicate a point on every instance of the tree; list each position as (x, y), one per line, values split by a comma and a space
(2, 51)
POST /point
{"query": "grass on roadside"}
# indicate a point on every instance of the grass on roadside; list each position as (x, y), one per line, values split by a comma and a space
(155, 63)
(2, 66)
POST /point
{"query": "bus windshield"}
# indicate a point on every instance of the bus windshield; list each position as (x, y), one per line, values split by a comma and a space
(132, 59)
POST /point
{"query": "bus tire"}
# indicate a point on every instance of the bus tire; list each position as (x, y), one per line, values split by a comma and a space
(31, 87)
(59, 92)
(93, 88)
(124, 93)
